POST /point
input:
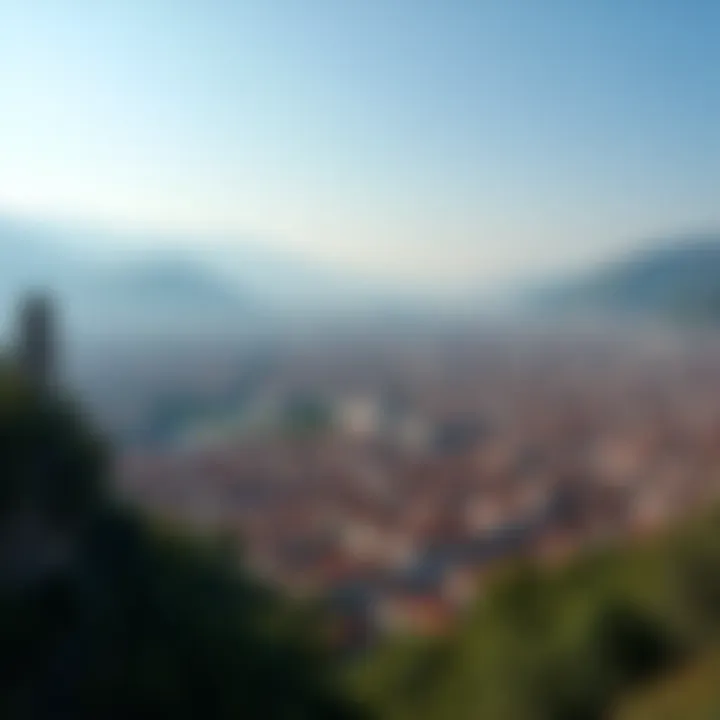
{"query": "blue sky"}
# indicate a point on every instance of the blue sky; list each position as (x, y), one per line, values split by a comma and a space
(438, 141)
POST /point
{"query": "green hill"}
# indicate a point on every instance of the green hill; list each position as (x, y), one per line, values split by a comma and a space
(575, 643)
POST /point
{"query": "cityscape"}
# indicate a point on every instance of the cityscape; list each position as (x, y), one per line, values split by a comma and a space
(360, 360)
(393, 479)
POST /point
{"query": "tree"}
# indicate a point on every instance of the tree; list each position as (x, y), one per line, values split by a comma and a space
(138, 620)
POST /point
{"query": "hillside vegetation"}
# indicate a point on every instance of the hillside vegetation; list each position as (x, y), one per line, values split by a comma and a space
(605, 636)
(105, 614)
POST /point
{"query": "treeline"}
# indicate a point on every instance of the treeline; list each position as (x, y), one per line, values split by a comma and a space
(610, 635)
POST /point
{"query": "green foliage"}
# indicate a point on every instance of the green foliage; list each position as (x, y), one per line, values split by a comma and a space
(139, 621)
(51, 463)
(690, 693)
(567, 644)
(158, 626)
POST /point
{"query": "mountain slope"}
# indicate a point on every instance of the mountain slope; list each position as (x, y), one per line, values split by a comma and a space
(171, 282)
(103, 271)
(680, 278)
(102, 291)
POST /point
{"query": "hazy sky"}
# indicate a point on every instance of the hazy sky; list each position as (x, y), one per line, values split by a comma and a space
(430, 139)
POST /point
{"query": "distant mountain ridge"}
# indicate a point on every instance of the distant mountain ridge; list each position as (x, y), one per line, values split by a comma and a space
(140, 281)
(680, 279)
(101, 291)
(170, 281)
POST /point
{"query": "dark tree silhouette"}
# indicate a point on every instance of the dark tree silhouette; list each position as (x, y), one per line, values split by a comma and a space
(105, 615)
